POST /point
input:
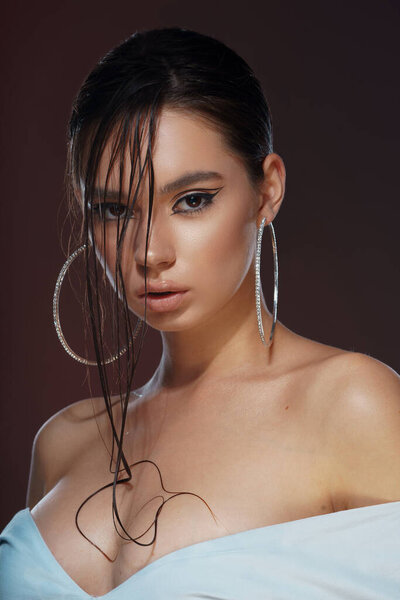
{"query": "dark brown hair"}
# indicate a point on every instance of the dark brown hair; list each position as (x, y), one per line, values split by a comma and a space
(168, 67)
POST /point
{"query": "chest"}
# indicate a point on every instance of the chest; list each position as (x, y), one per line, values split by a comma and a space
(196, 475)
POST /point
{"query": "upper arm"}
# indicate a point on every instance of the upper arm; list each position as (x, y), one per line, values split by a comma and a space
(364, 432)
(46, 457)
(36, 480)
(54, 447)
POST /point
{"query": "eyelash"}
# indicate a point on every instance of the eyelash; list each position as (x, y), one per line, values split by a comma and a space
(207, 196)
(208, 201)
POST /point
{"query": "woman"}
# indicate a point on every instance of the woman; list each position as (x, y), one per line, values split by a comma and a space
(254, 463)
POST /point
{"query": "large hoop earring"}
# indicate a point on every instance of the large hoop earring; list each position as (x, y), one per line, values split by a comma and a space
(56, 317)
(258, 282)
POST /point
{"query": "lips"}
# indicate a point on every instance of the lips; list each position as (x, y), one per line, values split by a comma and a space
(162, 287)
(159, 294)
(163, 302)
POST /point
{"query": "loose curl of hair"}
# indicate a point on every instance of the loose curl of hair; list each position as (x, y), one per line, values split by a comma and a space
(125, 92)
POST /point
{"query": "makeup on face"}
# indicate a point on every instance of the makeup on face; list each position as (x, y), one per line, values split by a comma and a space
(163, 302)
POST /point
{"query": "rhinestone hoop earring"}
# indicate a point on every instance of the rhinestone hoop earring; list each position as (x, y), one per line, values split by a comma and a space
(258, 282)
(56, 317)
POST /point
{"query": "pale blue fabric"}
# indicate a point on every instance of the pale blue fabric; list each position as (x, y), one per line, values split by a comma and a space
(346, 555)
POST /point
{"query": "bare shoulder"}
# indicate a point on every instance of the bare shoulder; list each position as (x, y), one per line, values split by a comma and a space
(361, 386)
(345, 374)
(57, 442)
(362, 427)
(66, 424)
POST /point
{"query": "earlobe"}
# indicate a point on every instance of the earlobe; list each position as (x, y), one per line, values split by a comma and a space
(259, 221)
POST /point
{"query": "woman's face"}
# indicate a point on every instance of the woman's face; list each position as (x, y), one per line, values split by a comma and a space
(203, 229)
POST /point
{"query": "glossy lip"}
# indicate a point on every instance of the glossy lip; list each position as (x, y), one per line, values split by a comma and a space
(161, 286)
(170, 302)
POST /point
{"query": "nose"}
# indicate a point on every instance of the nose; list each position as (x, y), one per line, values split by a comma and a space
(160, 248)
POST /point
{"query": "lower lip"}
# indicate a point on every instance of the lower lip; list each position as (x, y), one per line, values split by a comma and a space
(164, 303)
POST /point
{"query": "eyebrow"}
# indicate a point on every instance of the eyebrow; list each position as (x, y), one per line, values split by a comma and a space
(185, 179)
(189, 179)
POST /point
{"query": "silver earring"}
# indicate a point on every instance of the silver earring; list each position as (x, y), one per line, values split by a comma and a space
(258, 282)
(56, 317)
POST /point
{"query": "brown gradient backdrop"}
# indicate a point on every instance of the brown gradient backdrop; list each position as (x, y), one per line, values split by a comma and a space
(330, 74)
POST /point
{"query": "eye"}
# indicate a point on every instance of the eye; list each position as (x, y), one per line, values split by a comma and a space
(114, 209)
(197, 201)
(110, 211)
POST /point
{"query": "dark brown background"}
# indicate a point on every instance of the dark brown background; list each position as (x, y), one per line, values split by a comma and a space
(330, 74)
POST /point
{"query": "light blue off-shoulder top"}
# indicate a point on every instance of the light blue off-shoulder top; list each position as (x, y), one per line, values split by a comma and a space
(347, 555)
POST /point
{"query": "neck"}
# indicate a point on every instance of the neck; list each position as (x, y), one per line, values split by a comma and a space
(226, 343)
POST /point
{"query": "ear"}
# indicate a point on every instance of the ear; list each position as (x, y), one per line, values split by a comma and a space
(272, 189)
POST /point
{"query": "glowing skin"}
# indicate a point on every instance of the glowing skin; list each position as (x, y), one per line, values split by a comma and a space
(210, 253)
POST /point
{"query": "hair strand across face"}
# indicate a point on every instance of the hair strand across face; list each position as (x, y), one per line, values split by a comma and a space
(120, 101)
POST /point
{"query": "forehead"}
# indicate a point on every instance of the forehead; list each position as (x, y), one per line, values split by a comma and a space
(183, 142)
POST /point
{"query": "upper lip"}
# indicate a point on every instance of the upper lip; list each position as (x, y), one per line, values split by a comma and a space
(161, 286)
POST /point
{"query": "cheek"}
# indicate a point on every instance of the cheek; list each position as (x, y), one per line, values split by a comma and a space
(109, 251)
(221, 256)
